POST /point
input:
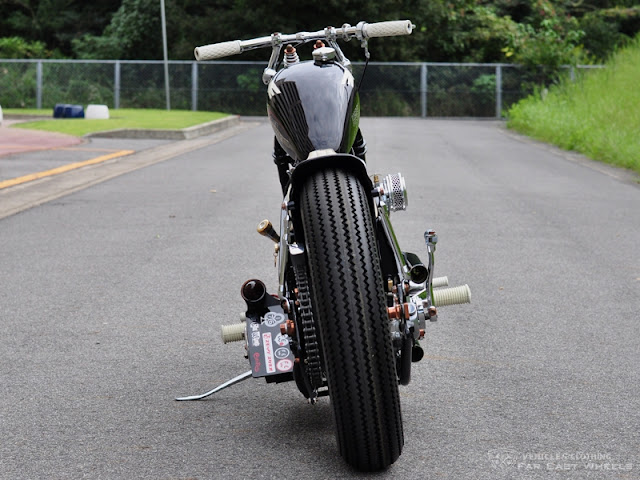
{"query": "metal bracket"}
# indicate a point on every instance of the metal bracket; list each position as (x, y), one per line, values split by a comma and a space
(270, 71)
(431, 239)
(363, 40)
(233, 381)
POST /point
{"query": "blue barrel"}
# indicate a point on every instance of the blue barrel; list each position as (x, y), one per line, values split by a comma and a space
(58, 110)
(73, 111)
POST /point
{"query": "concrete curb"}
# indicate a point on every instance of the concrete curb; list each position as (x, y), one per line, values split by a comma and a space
(160, 134)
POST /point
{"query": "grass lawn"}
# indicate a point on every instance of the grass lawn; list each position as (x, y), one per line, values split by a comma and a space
(121, 118)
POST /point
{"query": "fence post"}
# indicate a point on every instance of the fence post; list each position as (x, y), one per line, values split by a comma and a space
(163, 21)
(499, 91)
(194, 86)
(423, 89)
(116, 85)
(39, 85)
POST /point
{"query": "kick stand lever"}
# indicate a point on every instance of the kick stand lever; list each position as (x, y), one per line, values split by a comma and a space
(233, 381)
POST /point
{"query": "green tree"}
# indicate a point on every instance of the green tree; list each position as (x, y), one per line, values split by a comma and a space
(133, 33)
(17, 47)
(609, 28)
(448, 30)
(550, 39)
(54, 22)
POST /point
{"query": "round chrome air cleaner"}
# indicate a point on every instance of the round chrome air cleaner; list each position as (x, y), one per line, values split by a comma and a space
(395, 192)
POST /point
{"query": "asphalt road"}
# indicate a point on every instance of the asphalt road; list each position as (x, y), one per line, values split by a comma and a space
(112, 298)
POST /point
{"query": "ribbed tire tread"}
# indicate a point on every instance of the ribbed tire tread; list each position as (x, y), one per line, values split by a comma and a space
(349, 305)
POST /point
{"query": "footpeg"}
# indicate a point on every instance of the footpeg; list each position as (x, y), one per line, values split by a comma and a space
(233, 333)
(432, 293)
(452, 296)
(440, 282)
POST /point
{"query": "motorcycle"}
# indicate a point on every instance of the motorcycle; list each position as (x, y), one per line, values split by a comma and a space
(352, 306)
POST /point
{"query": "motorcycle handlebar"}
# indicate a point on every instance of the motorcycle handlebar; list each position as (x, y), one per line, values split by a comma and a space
(362, 31)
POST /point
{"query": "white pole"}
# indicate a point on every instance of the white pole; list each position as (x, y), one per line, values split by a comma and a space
(166, 61)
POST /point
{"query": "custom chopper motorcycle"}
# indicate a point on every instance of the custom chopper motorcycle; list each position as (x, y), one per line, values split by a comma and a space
(352, 305)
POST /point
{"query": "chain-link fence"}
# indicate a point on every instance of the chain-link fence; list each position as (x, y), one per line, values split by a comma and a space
(387, 89)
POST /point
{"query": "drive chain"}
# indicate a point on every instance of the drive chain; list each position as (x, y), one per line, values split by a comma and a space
(313, 365)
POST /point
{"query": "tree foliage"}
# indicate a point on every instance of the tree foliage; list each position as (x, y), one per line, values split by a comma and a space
(18, 47)
(531, 32)
(53, 22)
(132, 33)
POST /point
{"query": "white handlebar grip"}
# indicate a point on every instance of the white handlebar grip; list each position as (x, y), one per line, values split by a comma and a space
(217, 50)
(387, 29)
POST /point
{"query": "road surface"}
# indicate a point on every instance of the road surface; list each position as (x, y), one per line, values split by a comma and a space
(112, 298)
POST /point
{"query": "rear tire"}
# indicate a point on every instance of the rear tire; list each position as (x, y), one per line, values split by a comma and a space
(350, 310)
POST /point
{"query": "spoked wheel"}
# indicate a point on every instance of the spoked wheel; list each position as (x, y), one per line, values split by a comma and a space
(350, 310)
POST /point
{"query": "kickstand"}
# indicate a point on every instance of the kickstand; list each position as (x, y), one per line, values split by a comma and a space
(233, 381)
